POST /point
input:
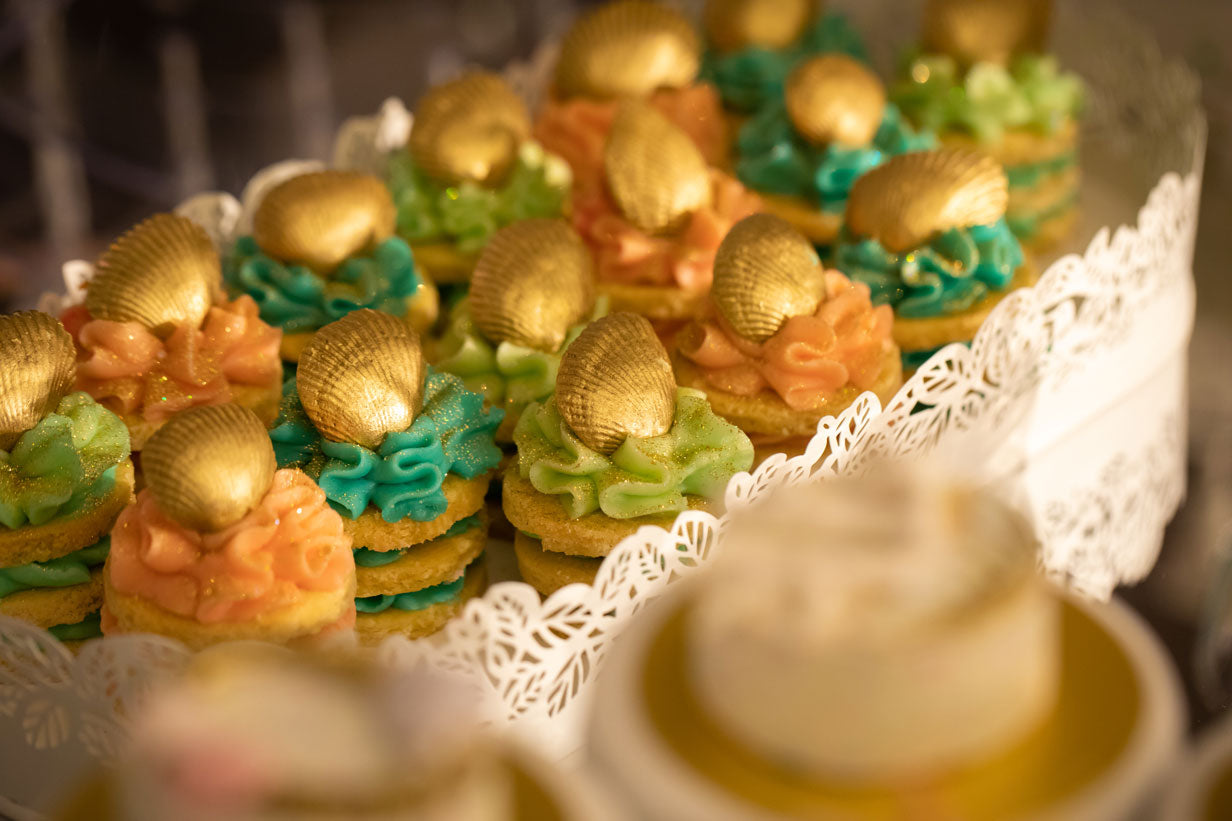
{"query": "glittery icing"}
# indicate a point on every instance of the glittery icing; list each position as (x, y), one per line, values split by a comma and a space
(453, 433)
(73, 568)
(643, 476)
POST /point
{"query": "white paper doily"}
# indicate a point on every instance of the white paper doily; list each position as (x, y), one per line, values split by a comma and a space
(1071, 399)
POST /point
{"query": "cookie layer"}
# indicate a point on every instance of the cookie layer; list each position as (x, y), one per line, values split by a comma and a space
(464, 496)
(935, 331)
(657, 303)
(821, 227)
(547, 571)
(373, 628)
(48, 606)
(436, 562)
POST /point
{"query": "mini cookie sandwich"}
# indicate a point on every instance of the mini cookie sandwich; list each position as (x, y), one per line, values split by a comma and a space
(65, 474)
(982, 82)
(532, 293)
(803, 151)
(627, 49)
(221, 545)
(754, 44)
(655, 225)
(405, 453)
(155, 337)
(619, 446)
(926, 232)
(470, 169)
(323, 245)
(788, 342)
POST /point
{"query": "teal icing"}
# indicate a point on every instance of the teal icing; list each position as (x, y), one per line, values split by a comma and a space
(297, 300)
(749, 78)
(414, 600)
(403, 477)
(91, 627)
(64, 571)
(951, 273)
(912, 360)
(365, 557)
(775, 159)
(1026, 175)
(1026, 223)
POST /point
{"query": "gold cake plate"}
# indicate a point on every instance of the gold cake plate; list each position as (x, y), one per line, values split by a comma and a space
(1117, 725)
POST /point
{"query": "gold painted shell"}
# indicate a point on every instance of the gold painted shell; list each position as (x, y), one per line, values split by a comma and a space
(162, 272)
(209, 466)
(321, 218)
(913, 197)
(627, 48)
(770, 24)
(655, 173)
(533, 282)
(834, 99)
(362, 377)
(988, 31)
(469, 129)
(765, 272)
(37, 367)
(615, 381)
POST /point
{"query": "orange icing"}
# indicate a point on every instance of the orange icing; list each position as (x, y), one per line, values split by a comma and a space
(291, 542)
(128, 369)
(624, 253)
(809, 358)
(577, 129)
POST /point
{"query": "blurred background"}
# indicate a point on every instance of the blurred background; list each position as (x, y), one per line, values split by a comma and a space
(113, 109)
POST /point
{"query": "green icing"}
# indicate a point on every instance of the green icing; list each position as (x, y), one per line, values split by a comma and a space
(988, 99)
(364, 557)
(414, 600)
(949, 274)
(508, 375)
(468, 214)
(453, 433)
(750, 77)
(775, 159)
(61, 464)
(297, 300)
(643, 476)
(59, 572)
(91, 627)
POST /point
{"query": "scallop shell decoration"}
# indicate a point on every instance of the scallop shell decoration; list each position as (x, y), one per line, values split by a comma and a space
(469, 129)
(615, 381)
(765, 272)
(987, 31)
(629, 48)
(533, 282)
(654, 172)
(209, 466)
(362, 377)
(161, 273)
(834, 99)
(320, 219)
(37, 367)
(771, 24)
(912, 197)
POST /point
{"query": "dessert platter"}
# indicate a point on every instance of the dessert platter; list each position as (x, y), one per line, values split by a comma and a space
(530, 363)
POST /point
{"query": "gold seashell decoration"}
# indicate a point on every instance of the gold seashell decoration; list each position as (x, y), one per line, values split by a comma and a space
(362, 377)
(771, 24)
(469, 129)
(161, 273)
(627, 48)
(533, 282)
(912, 197)
(832, 98)
(765, 272)
(209, 466)
(986, 31)
(615, 381)
(37, 367)
(655, 173)
(321, 218)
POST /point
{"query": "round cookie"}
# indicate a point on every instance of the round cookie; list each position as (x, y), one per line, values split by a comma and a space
(370, 530)
(934, 331)
(548, 571)
(49, 606)
(656, 303)
(424, 565)
(373, 628)
(819, 226)
(65, 534)
(445, 263)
